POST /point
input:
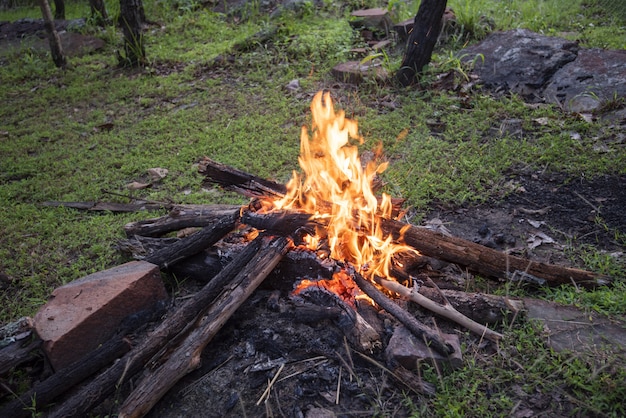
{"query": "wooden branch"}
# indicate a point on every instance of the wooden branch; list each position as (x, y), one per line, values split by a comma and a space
(187, 357)
(487, 261)
(110, 206)
(180, 217)
(446, 310)
(193, 244)
(170, 329)
(431, 337)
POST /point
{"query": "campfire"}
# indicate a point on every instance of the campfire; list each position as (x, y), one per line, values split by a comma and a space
(336, 190)
(336, 243)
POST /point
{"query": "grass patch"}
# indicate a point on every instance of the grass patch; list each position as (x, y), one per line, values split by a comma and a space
(213, 88)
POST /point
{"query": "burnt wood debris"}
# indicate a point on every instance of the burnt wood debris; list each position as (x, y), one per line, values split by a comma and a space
(173, 346)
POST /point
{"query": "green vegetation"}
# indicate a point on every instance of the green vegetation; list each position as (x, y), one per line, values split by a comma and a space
(212, 88)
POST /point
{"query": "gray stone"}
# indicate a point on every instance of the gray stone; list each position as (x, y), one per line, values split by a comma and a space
(572, 329)
(85, 313)
(519, 61)
(408, 351)
(596, 76)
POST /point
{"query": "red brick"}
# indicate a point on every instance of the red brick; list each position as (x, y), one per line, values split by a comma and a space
(86, 312)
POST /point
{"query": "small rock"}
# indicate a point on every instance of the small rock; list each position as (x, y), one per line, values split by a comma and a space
(409, 352)
(86, 312)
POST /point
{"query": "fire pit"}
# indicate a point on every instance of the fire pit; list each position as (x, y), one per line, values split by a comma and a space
(328, 248)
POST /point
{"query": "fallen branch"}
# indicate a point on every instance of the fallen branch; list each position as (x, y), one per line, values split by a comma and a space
(186, 358)
(193, 244)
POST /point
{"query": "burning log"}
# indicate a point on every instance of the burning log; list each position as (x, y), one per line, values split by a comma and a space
(172, 329)
(186, 358)
(475, 257)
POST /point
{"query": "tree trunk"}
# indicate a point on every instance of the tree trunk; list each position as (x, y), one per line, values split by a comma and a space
(99, 12)
(131, 19)
(53, 37)
(422, 40)
(59, 9)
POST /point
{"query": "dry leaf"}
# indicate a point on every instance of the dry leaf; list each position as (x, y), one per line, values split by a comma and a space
(542, 121)
(537, 239)
(157, 173)
(135, 185)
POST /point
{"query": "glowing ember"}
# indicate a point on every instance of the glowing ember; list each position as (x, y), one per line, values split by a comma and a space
(337, 188)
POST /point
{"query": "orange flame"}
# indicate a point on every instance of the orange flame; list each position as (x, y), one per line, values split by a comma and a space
(337, 188)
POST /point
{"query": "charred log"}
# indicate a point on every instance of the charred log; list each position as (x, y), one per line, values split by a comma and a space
(181, 217)
(64, 380)
(487, 261)
(239, 181)
(192, 244)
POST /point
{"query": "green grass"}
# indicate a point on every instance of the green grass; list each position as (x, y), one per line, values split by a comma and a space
(442, 147)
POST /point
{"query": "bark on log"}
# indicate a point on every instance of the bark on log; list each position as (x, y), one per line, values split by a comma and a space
(193, 244)
(487, 261)
(187, 356)
(482, 308)
(171, 329)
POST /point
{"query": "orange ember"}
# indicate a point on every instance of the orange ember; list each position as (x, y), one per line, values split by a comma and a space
(336, 187)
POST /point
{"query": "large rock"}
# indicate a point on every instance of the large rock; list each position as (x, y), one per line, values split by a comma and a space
(568, 328)
(596, 77)
(85, 313)
(519, 61)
